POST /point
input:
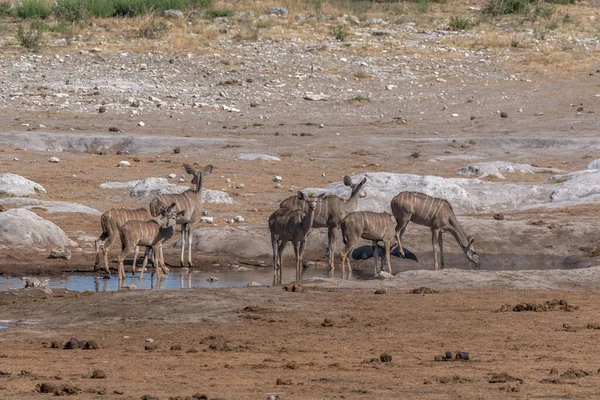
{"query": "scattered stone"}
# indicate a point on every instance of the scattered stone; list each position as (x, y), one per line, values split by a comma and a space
(54, 159)
(114, 129)
(327, 323)
(257, 156)
(124, 164)
(206, 220)
(499, 216)
(141, 123)
(176, 347)
(316, 97)
(503, 114)
(173, 14)
(172, 176)
(281, 381)
(149, 340)
(91, 345)
(385, 358)
(47, 387)
(71, 344)
(63, 253)
(238, 219)
(462, 355)
(574, 373)
(212, 279)
(56, 345)
(549, 305)
(503, 377)
(35, 282)
(102, 110)
(151, 347)
(424, 290)
(176, 150)
(279, 11)
(191, 350)
(294, 288)
(98, 374)
(380, 291)
(277, 179)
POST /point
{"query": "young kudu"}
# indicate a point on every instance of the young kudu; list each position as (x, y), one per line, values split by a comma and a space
(293, 226)
(152, 234)
(371, 226)
(330, 212)
(436, 214)
(111, 221)
(189, 201)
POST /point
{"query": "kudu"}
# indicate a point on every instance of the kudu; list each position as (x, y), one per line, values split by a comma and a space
(330, 212)
(437, 214)
(371, 226)
(111, 221)
(152, 234)
(189, 201)
(293, 226)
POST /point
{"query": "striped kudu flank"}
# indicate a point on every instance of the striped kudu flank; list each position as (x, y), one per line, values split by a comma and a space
(436, 214)
(111, 221)
(189, 201)
(293, 226)
(371, 226)
(152, 234)
(330, 212)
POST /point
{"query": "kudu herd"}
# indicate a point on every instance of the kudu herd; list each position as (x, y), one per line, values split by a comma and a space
(291, 222)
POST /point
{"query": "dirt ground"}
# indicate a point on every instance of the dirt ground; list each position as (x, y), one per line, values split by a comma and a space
(322, 341)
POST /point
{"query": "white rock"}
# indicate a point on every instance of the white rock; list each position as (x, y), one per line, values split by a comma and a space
(316, 97)
(35, 282)
(239, 186)
(19, 226)
(255, 156)
(16, 185)
(172, 176)
(495, 168)
(50, 206)
(141, 123)
(124, 164)
(206, 220)
(54, 159)
(238, 219)
(277, 179)
(149, 340)
(593, 164)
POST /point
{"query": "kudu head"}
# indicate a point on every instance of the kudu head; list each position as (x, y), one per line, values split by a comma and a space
(169, 216)
(471, 253)
(310, 200)
(357, 188)
(197, 179)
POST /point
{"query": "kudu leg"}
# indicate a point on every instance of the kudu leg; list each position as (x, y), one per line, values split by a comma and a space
(401, 225)
(435, 242)
(183, 234)
(375, 251)
(190, 238)
(441, 246)
(275, 245)
(388, 250)
(280, 250)
(104, 248)
(298, 262)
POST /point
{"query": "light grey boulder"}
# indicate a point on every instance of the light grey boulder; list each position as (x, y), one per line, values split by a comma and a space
(50, 206)
(173, 14)
(593, 164)
(496, 168)
(119, 185)
(157, 186)
(19, 226)
(255, 156)
(16, 185)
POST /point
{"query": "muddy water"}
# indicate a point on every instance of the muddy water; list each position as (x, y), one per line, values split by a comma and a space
(362, 270)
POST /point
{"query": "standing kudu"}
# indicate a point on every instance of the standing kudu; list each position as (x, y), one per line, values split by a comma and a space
(330, 212)
(371, 226)
(293, 226)
(111, 221)
(436, 214)
(189, 201)
(152, 234)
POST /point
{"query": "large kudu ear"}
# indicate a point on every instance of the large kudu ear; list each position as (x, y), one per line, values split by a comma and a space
(347, 181)
(321, 196)
(207, 170)
(189, 169)
(300, 195)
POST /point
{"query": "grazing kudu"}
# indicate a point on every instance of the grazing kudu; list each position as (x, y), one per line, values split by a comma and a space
(151, 233)
(293, 226)
(371, 226)
(111, 221)
(189, 201)
(436, 214)
(330, 212)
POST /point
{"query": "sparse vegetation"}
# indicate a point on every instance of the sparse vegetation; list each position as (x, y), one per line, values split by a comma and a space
(223, 13)
(339, 32)
(360, 98)
(33, 9)
(154, 29)
(32, 38)
(361, 75)
(415, 154)
(459, 23)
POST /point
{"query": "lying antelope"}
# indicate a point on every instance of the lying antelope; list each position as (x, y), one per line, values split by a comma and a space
(436, 214)
(371, 226)
(330, 212)
(111, 221)
(189, 201)
(291, 225)
(152, 234)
